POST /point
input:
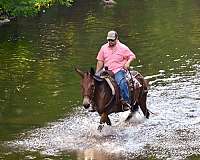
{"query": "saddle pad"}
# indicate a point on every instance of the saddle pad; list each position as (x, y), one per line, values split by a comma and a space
(131, 77)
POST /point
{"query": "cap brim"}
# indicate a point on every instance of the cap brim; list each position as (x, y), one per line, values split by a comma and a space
(113, 38)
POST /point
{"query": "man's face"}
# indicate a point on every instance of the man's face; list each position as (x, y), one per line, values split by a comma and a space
(112, 42)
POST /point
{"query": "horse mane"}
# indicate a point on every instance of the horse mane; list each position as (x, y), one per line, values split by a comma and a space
(98, 78)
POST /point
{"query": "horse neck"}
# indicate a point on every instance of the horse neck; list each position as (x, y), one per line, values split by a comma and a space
(102, 91)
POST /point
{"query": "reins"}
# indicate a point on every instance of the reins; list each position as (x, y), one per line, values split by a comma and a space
(106, 78)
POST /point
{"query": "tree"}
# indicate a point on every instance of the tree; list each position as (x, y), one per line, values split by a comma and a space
(28, 7)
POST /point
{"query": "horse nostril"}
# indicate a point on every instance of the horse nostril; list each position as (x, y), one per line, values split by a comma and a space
(86, 105)
(86, 102)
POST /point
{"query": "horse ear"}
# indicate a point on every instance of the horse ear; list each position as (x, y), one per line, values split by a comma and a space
(81, 73)
(146, 81)
(92, 72)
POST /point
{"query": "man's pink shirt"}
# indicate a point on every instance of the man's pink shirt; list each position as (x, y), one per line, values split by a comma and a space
(115, 57)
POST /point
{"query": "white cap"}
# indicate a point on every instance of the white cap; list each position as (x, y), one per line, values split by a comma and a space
(111, 35)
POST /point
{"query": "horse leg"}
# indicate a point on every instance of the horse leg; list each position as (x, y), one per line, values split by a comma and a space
(143, 106)
(134, 107)
(104, 119)
(134, 100)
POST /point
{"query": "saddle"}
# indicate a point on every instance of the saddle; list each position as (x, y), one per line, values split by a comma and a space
(133, 82)
(109, 77)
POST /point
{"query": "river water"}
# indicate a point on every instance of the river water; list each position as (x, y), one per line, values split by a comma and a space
(41, 116)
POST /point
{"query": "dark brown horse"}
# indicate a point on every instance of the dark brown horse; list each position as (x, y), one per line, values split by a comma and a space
(97, 93)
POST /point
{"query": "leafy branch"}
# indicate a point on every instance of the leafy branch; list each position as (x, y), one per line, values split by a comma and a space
(28, 7)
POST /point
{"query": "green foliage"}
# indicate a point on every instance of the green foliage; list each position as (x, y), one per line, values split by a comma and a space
(28, 7)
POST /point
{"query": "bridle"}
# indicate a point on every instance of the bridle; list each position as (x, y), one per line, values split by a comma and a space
(90, 94)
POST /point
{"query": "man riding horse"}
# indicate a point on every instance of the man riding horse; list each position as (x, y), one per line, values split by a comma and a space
(103, 93)
(117, 58)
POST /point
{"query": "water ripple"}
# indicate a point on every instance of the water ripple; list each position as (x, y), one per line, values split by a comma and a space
(172, 132)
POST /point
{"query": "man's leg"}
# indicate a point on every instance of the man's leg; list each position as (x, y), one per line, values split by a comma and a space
(123, 85)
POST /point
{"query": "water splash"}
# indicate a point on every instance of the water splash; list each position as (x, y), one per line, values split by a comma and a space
(172, 133)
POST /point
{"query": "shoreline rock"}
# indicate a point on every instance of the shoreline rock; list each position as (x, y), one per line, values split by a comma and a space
(108, 3)
(6, 20)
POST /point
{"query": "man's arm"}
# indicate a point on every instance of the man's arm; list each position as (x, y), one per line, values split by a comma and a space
(127, 64)
(99, 66)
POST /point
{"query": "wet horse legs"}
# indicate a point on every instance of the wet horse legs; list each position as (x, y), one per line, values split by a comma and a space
(143, 106)
(104, 119)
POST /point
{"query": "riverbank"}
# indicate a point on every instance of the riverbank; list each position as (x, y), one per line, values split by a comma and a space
(26, 8)
(6, 20)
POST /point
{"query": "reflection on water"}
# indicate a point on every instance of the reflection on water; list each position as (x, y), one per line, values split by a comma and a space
(171, 132)
(91, 154)
(38, 85)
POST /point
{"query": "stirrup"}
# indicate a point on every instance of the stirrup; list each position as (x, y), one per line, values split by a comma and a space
(127, 105)
(134, 107)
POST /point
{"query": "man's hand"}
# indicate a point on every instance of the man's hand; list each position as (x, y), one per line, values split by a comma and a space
(99, 66)
(126, 66)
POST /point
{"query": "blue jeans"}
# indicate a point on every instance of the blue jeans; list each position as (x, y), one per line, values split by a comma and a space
(120, 78)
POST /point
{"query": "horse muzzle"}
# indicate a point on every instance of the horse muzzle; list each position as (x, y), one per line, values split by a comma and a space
(86, 102)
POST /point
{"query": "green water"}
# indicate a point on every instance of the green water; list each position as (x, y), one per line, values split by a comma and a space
(38, 84)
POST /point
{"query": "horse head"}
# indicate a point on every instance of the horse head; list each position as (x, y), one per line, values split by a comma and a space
(87, 86)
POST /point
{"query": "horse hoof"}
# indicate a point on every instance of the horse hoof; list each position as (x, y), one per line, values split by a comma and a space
(147, 115)
(100, 127)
